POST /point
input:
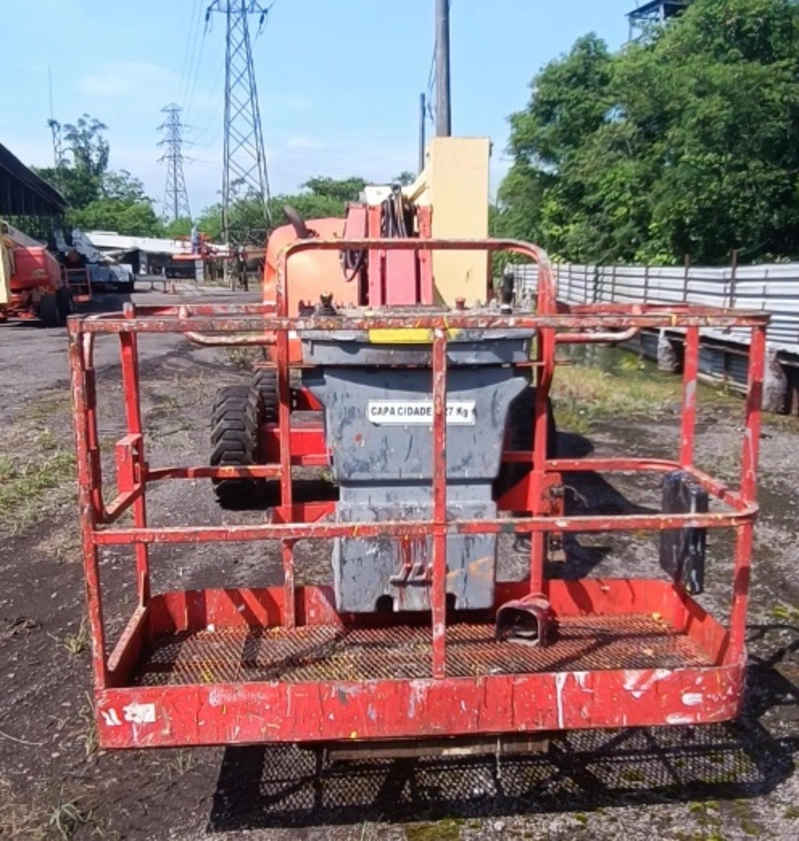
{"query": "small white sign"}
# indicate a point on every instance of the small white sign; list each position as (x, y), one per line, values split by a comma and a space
(420, 412)
(139, 713)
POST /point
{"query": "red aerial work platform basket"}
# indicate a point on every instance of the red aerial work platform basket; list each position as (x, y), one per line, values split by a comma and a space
(238, 665)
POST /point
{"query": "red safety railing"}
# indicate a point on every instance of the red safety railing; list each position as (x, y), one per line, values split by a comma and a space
(553, 322)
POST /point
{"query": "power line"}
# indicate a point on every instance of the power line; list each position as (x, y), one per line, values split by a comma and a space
(176, 197)
(192, 33)
(244, 158)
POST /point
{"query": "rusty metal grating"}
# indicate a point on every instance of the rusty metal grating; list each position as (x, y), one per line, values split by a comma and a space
(315, 653)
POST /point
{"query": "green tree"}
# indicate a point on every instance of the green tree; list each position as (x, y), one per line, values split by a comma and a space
(100, 198)
(319, 198)
(178, 228)
(682, 144)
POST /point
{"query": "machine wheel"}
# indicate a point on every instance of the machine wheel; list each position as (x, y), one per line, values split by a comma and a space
(265, 383)
(237, 414)
(65, 303)
(519, 433)
(49, 311)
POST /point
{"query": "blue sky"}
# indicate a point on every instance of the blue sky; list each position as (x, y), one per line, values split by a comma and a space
(339, 80)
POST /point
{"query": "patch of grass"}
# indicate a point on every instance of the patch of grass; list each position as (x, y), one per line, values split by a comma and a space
(448, 829)
(27, 483)
(243, 357)
(582, 394)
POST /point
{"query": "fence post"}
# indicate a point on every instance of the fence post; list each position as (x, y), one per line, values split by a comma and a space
(687, 259)
(733, 276)
(646, 283)
(613, 285)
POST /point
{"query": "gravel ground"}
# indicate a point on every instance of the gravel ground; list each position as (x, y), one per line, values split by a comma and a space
(714, 782)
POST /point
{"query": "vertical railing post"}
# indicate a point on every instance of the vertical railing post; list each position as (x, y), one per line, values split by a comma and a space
(545, 357)
(81, 401)
(439, 582)
(129, 358)
(749, 462)
(690, 375)
(284, 438)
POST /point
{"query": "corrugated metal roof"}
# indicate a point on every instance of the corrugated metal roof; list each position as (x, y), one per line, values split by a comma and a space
(149, 245)
(23, 192)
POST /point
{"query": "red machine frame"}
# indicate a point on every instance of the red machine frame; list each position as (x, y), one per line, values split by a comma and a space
(460, 681)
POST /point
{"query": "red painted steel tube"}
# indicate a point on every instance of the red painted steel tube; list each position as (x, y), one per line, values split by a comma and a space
(92, 437)
(286, 485)
(749, 464)
(88, 520)
(129, 358)
(120, 504)
(421, 528)
(545, 356)
(438, 594)
(256, 471)
(231, 320)
(229, 341)
(690, 373)
(596, 338)
(754, 402)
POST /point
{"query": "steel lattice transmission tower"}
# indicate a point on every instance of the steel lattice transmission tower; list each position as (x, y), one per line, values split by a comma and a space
(176, 197)
(244, 166)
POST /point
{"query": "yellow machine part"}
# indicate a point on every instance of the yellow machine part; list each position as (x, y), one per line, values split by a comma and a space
(455, 183)
(6, 268)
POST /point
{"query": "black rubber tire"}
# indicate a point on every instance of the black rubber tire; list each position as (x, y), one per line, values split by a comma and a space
(66, 306)
(265, 383)
(519, 433)
(49, 312)
(236, 416)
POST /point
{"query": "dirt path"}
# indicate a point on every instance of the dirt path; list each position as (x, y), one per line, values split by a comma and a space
(717, 782)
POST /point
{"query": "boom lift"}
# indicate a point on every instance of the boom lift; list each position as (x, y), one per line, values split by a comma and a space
(372, 321)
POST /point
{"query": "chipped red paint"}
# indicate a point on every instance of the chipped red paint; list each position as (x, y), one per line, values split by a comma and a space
(619, 652)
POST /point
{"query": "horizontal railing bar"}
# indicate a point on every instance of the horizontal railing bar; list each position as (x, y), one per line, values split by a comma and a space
(236, 323)
(327, 531)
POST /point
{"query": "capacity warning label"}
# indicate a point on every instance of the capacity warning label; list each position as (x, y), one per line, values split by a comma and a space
(459, 412)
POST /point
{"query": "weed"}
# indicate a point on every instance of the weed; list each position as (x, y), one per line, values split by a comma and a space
(183, 762)
(78, 642)
(785, 613)
(243, 357)
(88, 734)
(67, 819)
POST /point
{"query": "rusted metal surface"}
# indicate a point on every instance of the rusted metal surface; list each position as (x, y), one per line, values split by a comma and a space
(239, 666)
(508, 745)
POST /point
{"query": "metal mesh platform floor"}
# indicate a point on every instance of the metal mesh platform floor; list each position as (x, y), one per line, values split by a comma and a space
(324, 652)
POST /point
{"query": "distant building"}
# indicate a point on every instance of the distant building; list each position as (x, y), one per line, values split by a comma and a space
(146, 255)
(653, 12)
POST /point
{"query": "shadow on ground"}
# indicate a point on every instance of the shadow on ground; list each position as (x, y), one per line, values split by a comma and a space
(261, 787)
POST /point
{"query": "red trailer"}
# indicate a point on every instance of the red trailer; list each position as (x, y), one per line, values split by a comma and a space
(261, 665)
